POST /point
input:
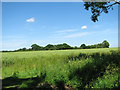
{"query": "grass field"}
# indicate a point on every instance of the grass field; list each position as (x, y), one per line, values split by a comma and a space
(80, 68)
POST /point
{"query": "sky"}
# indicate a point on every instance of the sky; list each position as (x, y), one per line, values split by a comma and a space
(43, 0)
(42, 23)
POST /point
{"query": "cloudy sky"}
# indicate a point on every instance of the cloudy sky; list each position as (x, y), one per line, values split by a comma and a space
(24, 24)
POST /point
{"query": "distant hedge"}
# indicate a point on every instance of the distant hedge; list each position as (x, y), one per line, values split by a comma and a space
(63, 46)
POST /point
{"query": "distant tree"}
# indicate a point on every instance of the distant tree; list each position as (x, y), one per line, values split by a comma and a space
(21, 49)
(83, 46)
(35, 47)
(30, 49)
(88, 47)
(76, 47)
(24, 49)
(93, 46)
(62, 46)
(50, 47)
(105, 44)
(66, 46)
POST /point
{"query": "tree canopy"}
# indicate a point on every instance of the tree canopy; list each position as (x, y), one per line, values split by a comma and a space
(99, 7)
(83, 46)
(105, 44)
(64, 46)
(36, 47)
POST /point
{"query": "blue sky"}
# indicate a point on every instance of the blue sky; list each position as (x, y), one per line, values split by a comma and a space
(24, 24)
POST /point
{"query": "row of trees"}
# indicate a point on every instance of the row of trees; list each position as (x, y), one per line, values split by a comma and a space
(36, 47)
(104, 44)
(64, 46)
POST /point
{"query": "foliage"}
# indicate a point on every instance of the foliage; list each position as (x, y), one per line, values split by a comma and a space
(63, 46)
(105, 44)
(36, 47)
(50, 47)
(83, 46)
(98, 7)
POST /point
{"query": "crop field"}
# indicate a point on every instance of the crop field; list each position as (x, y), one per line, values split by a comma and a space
(62, 69)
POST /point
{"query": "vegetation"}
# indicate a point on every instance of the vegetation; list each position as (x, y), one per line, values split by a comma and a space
(104, 44)
(99, 7)
(63, 69)
(64, 46)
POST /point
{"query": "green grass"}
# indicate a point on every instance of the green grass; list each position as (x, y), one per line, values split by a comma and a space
(80, 68)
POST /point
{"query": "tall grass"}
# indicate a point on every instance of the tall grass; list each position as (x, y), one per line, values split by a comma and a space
(90, 68)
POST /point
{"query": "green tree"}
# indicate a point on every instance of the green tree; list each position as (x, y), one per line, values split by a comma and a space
(83, 46)
(93, 46)
(50, 47)
(24, 49)
(105, 44)
(88, 47)
(98, 7)
(63, 46)
(75, 47)
(66, 46)
(35, 47)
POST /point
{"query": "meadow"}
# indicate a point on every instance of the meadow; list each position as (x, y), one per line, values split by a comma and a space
(78, 68)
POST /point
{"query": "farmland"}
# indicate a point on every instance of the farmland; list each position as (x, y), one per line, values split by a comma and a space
(76, 68)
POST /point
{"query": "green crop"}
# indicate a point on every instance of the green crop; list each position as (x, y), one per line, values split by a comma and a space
(81, 68)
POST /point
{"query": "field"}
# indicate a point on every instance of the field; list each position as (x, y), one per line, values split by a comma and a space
(80, 68)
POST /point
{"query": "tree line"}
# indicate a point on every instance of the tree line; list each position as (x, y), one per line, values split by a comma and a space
(64, 46)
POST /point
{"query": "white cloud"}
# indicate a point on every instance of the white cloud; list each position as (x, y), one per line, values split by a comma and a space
(77, 35)
(30, 20)
(84, 27)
